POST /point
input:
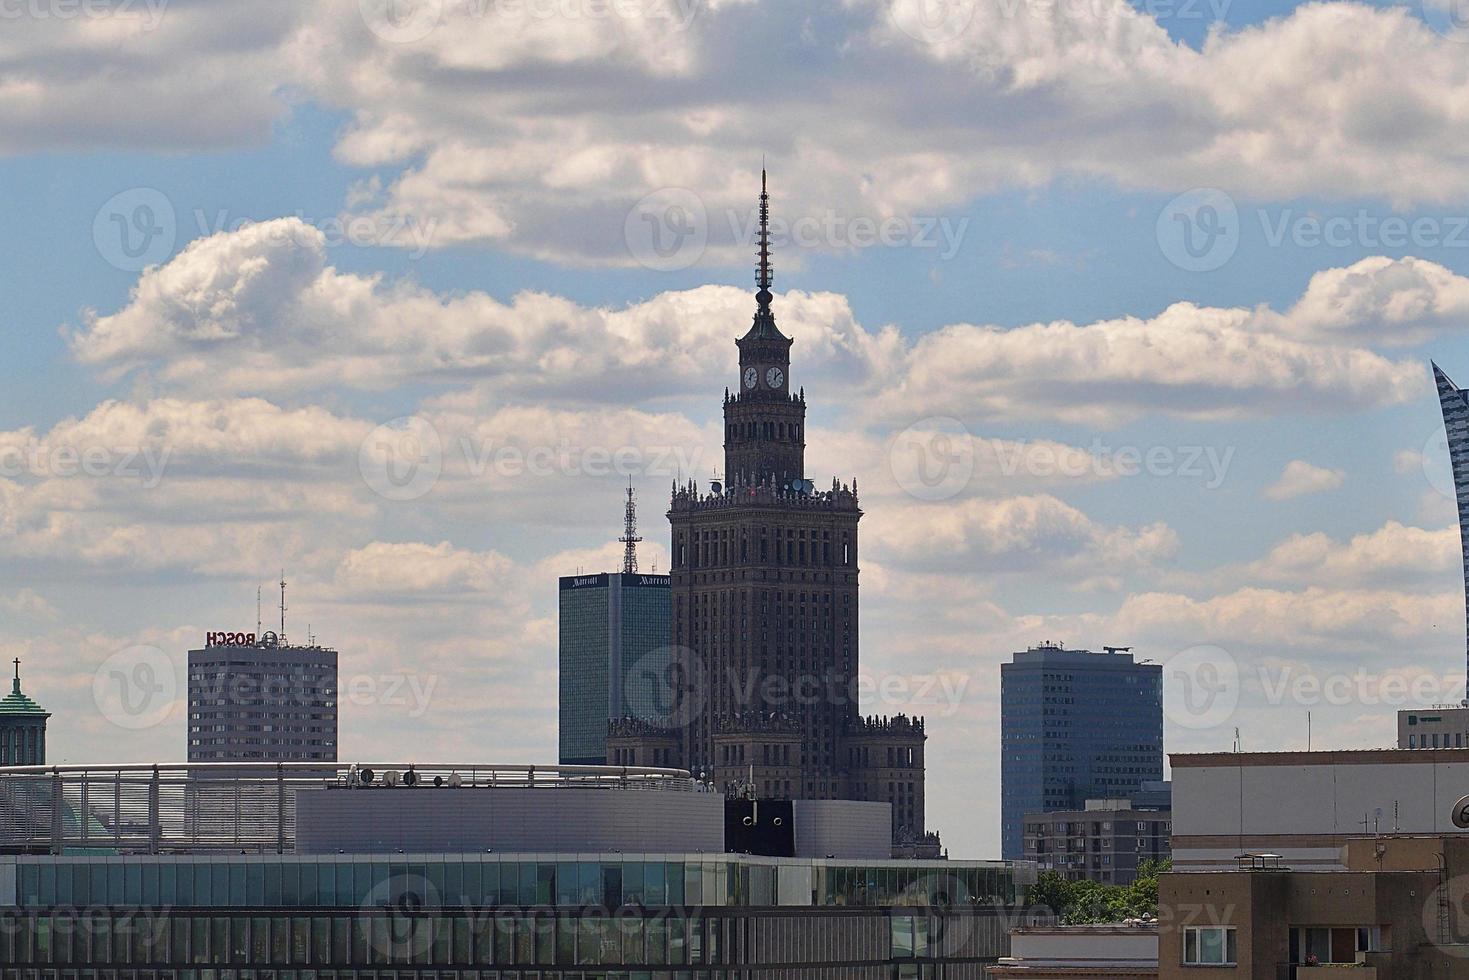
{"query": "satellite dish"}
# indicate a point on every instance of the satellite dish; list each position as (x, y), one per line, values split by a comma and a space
(366, 775)
(1460, 815)
(410, 778)
(391, 777)
(455, 779)
(438, 780)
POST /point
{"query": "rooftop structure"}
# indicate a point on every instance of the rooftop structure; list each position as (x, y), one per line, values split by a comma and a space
(1305, 805)
(204, 868)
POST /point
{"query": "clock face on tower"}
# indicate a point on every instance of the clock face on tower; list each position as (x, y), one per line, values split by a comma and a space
(751, 376)
(774, 377)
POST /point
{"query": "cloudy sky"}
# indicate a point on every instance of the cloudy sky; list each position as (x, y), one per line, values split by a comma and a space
(1119, 314)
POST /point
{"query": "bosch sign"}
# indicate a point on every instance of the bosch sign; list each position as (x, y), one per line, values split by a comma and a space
(223, 639)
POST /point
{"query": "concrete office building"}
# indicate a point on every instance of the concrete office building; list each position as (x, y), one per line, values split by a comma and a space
(1105, 842)
(1395, 908)
(1304, 806)
(613, 655)
(1075, 725)
(163, 902)
(261, 700)
(1439, 727)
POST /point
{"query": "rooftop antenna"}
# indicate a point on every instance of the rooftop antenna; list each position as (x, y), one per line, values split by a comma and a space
(258, 592)
(630, 537)
(283, 607)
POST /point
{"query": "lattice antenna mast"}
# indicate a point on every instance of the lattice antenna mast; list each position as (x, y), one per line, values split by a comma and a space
(764, 278)
(283, 607)
(630, 537)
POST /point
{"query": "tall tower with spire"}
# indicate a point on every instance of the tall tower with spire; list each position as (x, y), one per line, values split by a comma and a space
(764, 423)
(764, 589)
(22, 727)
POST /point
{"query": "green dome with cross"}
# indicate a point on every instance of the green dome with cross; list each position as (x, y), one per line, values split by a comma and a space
(17, 702)
(22, 727)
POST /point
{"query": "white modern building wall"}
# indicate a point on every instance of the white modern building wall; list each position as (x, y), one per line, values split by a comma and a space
(1304, 805)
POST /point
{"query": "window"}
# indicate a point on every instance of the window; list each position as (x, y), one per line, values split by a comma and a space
(1209, 946)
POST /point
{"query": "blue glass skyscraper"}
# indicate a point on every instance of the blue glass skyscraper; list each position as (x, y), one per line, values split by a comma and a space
(1454, 401)
(1075, 725)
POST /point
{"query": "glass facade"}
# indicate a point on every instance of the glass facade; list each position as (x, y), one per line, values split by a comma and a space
(479, 917)
(265, 944)
(1454, 402)
(453, 881)
(1074, 726)
(614, 637)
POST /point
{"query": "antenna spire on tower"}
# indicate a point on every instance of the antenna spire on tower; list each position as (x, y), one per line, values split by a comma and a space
(283, 607)
(630, 537)
(764, 277)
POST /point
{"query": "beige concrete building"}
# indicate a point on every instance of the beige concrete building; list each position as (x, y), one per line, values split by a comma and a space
(1396, 909)
(1125, 950)
(1441, 727)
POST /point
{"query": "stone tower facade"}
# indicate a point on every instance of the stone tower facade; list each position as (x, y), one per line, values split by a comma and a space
(765, 612)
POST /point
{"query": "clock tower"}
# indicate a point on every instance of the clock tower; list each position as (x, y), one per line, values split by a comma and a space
(763, 686)
(764, 424)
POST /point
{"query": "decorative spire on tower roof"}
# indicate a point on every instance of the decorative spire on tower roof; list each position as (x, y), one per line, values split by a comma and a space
(764, 326)
(764, 277)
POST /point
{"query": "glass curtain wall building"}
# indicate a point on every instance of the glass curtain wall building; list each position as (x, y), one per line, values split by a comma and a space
(487, 917)
(1454, 402)
(1074, 726)
(614, 636)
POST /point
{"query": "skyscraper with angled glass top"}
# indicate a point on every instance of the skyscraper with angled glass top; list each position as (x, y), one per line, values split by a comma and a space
(1454, 401)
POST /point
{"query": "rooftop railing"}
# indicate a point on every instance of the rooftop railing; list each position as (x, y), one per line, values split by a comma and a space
(243, 806)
